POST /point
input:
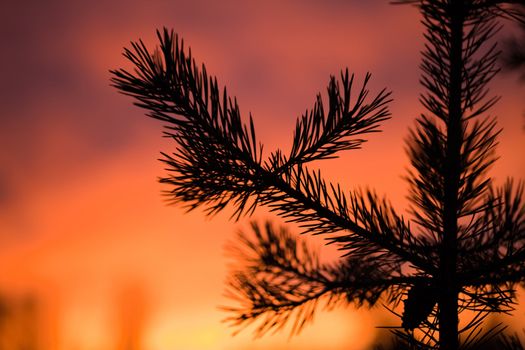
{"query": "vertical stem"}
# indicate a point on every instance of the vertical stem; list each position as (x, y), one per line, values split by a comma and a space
(448, 298)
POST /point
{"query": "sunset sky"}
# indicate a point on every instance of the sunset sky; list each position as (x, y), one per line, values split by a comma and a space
(84, 230)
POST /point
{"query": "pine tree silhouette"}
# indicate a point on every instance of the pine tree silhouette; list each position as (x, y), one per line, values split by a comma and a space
(462, 248)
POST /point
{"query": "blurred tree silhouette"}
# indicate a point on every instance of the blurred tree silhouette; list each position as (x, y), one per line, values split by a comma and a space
(514, 57)
(132, 315)
(514, 52)
(463, 247)
(20, 323)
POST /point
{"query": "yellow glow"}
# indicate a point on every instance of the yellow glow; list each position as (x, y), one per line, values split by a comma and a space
(84, 329)
(341, 329)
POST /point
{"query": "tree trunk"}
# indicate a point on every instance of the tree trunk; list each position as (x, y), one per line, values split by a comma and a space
(448, 293)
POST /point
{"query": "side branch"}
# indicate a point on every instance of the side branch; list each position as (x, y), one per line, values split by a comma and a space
(281, 279)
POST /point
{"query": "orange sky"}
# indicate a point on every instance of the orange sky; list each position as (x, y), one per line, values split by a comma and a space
(83, 226)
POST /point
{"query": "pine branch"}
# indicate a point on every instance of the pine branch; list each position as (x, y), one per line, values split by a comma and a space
(320, 135)
(495, 240)
(216, 154)
(219, 161)
(282, 279)
(304, 197)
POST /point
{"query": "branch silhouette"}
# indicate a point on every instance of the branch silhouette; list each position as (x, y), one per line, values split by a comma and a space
(462, 248)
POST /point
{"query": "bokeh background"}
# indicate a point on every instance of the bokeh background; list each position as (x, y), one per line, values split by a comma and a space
(91, 257)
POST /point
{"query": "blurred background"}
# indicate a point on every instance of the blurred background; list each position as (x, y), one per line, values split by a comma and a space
(91, 257)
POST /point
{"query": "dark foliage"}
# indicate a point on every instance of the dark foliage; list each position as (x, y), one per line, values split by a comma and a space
(514, 50)
(463, 247)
